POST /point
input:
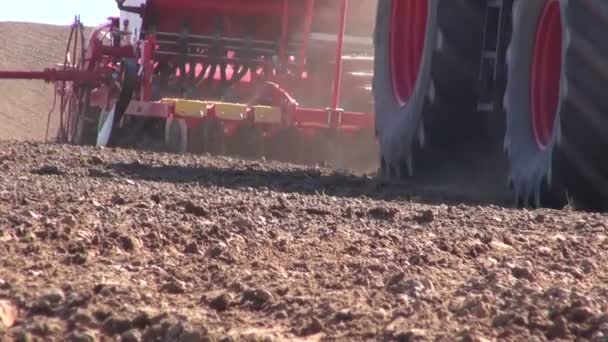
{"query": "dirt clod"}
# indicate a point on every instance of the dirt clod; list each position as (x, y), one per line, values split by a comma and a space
(118, 199)
(192, 248)
(314, 326)
(53, 296)
(116, 325)
(128, 243)
(196, 210)
(258, 297)
(425, 217)
(95, 160)
(383, 213)
(522, 272)
(8, 314)
(410, 335)
(559, 329)
(174, 287)
(132, 335)
(221, 302)
(47, 170)
(580, 314)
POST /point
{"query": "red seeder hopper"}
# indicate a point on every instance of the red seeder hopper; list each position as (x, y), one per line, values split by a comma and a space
(285, 79)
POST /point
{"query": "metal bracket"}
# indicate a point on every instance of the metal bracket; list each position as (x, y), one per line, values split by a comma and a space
(496, 36)
(334, 121)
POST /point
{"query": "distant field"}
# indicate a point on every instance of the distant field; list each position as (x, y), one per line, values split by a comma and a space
(24, 105)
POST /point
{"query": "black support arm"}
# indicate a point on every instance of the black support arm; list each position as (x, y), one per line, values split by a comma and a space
(131, 9)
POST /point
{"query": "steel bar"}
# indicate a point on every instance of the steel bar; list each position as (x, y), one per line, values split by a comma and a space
(53, 75)
(339, 51)
(307, 28)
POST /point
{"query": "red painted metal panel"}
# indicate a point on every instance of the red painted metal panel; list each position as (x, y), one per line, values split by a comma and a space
(311, 117)
(260, 18)
(352, 120)
(228, 7)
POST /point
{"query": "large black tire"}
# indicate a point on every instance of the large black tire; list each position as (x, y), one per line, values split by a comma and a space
(442, 106)
(574, 162)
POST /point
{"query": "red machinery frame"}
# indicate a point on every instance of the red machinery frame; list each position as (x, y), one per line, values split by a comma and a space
(98, 70)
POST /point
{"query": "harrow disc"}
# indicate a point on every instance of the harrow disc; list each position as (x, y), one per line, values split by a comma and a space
(74, 98)
(246, 142)
(195, 138)
(322, 148)
(86, 121)
(285, 145)
(357, 151)
(125, 87)
(213, 137)
(176, 135)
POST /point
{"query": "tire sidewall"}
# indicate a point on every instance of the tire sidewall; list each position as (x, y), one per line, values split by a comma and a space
(397, 125)
(529, 164)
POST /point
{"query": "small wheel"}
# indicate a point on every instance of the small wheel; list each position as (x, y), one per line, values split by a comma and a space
(176, 135)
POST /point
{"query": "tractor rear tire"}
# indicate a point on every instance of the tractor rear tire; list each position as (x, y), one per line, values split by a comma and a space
(572, 162)
(442, 106)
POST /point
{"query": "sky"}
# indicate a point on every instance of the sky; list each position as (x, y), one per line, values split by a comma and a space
(58, 12)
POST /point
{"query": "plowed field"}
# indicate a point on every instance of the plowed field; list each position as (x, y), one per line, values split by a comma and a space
(100, 244)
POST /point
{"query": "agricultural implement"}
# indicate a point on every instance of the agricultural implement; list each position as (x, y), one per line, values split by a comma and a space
(518, 79)
(524, 79)
(238, 77)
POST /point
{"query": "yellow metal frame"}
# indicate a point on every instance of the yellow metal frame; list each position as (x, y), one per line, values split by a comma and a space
(224, 110)
(267, 114)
